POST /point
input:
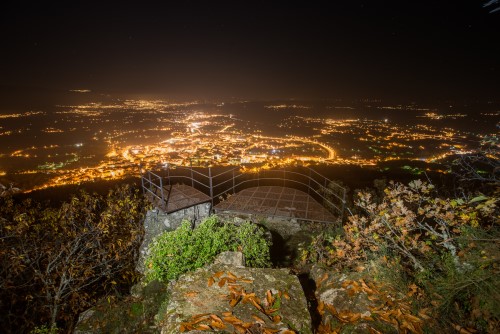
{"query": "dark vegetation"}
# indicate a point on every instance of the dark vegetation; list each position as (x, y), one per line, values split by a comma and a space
(56, 262)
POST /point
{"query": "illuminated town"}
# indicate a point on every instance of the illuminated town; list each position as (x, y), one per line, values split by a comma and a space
(105, 141)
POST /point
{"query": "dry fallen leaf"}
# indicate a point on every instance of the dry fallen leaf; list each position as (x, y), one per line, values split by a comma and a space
(191, 294)
(269, 298)
(234, 301)
(217, 324)
(203, 327)
(216, 317)
(321, 308)
(211, 281)
(258, 319)
(221, 282)
(218, 274)
(321, 280)
(231, 275)
(232, 320)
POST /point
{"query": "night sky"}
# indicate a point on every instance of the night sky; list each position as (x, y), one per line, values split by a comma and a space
(400, 50)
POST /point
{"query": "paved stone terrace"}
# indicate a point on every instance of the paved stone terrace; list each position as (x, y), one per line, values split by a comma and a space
(276, 201)
(180, 196)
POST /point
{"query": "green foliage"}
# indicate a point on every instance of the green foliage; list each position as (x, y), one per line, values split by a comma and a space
(44, 330)
(252, 242)
(186, 249)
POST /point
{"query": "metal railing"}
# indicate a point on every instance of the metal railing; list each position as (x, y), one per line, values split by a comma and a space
(218, 182)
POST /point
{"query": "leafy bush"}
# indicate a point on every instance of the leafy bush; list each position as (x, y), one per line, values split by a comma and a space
(448, 247)
(186, 249)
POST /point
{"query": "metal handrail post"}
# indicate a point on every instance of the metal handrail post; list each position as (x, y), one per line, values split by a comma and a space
(161, 190)
(309, 184)
(343, 207)
(168, 174)
(211, 187)
(191, 169)
(142, 179)
(150, 182)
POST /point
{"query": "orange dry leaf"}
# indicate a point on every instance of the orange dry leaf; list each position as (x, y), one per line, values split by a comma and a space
(321, 280)
(198, 320)
(257, 305)
(186, 327)
(235, 300)
(331, 308)
(232, 320)
(191, 294)
(374, 331)
(222, 282)
(321, 308)
(258, 319)
(286, 295)
(276, 319)
(463, 330)
(271, 310)
(231, 275)
(408, 325)
(270, 331)
(218, 274)
(247, 296)
(422, 314)
(203, 327)
(240, 329)
(360, 268)
(287, 331)
(227, 314)
(217, 324)
(211, 281)
(200, 315)
(369, 318)
(269, 297)
(216, 317)
(412, 318)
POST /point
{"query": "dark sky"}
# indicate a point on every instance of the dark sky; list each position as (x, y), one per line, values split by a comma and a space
(413, 50)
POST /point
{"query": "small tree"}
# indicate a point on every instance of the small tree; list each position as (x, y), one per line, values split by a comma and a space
(56, 261)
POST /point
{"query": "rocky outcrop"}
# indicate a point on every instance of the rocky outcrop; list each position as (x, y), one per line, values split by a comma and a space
(348, 304)
(226, 296)
(131, 314)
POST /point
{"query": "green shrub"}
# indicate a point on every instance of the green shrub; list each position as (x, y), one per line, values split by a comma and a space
(185, 249)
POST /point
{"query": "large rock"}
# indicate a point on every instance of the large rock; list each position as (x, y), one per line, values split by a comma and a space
(224, 297)
(131, 314)
(347, 303)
